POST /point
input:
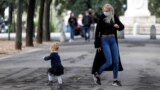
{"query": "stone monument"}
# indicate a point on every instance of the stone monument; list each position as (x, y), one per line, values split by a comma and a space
(137, 13)
(137, 8)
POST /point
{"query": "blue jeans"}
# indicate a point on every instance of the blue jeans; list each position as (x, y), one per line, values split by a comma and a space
(87, 33)
(111, 53)
(72, 32)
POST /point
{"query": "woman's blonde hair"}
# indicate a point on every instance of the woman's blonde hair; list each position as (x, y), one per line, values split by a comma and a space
(54, 47)
(111, 16)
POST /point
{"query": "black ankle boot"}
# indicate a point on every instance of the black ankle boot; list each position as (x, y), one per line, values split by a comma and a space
(98, 81)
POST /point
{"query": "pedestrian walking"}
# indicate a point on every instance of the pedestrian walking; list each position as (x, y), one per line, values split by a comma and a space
(94, 22)
(73, 24)
(107, 56)
(87, 21)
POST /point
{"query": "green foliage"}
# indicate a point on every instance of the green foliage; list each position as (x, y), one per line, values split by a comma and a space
(60, 5)
(98, 4)
(5, 3)
(12, 28)
(154, 7)
(52, 27)
(80, 6)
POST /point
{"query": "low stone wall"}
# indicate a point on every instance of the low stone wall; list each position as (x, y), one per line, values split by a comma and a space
(142, 29)
(139, 25)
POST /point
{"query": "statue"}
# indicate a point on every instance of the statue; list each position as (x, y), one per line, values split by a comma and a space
(137, 8)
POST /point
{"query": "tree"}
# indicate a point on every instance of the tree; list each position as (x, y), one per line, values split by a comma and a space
(4, 4)
(82, 5)
(40, 23)
(30, 23)
(11, 8)
(46, 18)
(118, 5)
(154, 7)
(18, 44)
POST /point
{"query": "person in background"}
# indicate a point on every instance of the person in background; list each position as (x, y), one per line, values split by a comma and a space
(73, 24)
(94, 22)
(87, 21)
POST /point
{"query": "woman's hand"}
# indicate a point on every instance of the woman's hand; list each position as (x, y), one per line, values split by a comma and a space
(116, 26)
(98, 49)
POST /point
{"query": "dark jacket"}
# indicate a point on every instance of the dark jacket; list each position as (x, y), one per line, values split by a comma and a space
(87, 21)
(72, 21)
(99, 59)
(56, 66)
(55, 59)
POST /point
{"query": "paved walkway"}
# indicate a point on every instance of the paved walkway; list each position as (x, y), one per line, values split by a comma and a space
(27, 70)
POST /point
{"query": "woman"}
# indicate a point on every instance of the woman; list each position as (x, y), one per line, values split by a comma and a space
(107, 56)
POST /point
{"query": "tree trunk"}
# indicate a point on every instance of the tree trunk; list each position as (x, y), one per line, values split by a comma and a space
(10, 19)
(46, 19)
(10, 14)
(40, 23)
(18, 43)
(2, 11)
(30, 23)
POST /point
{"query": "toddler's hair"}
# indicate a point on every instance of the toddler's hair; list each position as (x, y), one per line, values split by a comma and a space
(54, 46)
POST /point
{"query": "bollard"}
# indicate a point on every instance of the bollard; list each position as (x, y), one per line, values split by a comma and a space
(136, 28)
(153, 32)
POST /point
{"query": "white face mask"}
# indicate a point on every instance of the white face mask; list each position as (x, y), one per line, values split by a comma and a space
(106, 13)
